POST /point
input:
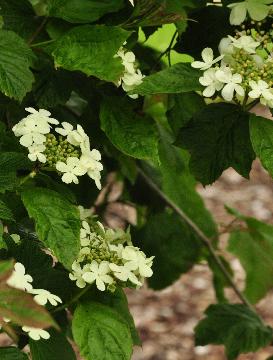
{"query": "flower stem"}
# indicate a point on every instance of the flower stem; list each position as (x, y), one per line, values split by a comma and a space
(73, 300)
(27, 177)
(206, 241)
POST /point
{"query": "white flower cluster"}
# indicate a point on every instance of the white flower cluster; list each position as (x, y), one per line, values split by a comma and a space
(22, 281)
(108, 258)
(256, 9)
(243, 71)
(132, 76)
(69, 154)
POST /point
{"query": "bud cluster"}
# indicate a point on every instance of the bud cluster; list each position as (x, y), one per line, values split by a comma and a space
(108, 258)
(68, 150)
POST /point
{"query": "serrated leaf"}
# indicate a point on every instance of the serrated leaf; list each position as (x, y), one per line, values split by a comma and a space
(19, 17)
(217, 138)
(254, 248)
(19, 307)
(134, 135)
(12, 353)
(118, 302)
(261, 134)
(236, 327)
(175, 246)
(55, 348)
(82, 11)
(101, 333)
(178, 78)
(57, 222)
(91, 49)
(15, 60)
(5, 212)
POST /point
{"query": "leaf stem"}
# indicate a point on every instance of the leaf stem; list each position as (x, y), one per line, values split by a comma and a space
(9, 330)
(27, 177)
(206, 241)
(72, 301)
(37, 31)
(43, 43)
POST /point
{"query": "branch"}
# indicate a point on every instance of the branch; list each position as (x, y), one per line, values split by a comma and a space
(206, 241)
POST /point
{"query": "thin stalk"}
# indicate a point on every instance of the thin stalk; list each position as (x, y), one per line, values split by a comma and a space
(206, 241)
(72, 301)
(37, 31)
(9, 330)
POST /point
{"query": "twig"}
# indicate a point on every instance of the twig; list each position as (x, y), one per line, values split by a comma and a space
(72, 301)
(206, 241)
(168, 50)
(37, 31)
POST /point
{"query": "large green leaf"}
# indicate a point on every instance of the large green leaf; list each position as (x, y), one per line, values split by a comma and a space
(55, 348)
(20, 308)
(57, 222)
(12, 353)
(15, 60)
(261, 134)
(118, 301)
(91, 49)
(175, 246)
(176, 79)
(235, 326)
(254, 248)
(19, 17)
(82, 11)
(101, 332)
(179, 185)
(217, 137)
(133, 134)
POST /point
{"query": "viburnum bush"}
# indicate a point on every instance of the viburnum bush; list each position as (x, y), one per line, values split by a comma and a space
(85, 96)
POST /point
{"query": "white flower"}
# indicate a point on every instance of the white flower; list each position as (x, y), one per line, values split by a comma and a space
(207, 56)
(36, 334)
(77, 137)
(65, 130)
(258, 10)
(117, 248)
(211, 82)
(41, 115)
(225, 46)
(19, 279)
(84, 213)
(132, 2)
(36, 153)
(128, 59)
(71, 170)
(137, 261)
(90, 163)
(232, 82)
(76, 275)
(245, 42)
(31, 131)
(124, 273)
(43, 296)
(99, 274)
(261, 89)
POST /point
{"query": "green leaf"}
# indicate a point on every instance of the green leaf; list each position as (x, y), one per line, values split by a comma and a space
(118, 302)
(82, 11)
(55, 348)
(15, 60)
(19, 17)
(91, 49)
(175, 246)
(179, 185)
(10, 162)
(217, 138)
(20, 308)
(5, 212)
(236, 327)
(57, 222)
(184, 106)
(254, 248)
(133, 134)
(178, 78)
(12, 353)
(261, 134)
(101, 332)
